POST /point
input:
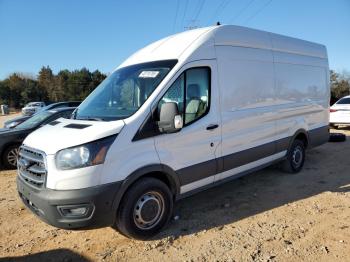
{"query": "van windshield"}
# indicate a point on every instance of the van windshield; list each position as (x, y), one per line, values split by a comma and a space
(122, 93)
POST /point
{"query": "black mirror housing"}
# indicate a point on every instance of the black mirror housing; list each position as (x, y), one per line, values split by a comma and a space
(167, 114)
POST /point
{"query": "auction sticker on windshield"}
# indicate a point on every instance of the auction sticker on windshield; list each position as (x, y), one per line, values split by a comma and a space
(148, 74)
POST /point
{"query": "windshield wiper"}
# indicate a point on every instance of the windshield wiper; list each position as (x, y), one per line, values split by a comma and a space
(93, 119)
(74, 114)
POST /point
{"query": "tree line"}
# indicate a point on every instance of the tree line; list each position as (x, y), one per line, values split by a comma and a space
(18, 89)
(340, 85)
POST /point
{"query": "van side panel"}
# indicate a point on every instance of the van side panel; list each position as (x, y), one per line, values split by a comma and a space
(247, 96)
(302, 96)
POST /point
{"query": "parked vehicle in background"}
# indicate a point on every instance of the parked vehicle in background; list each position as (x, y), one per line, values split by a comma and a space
(11, 139)
(16, 121)
(32, 108)
(339, 113)
(182, 114)
(62, 104)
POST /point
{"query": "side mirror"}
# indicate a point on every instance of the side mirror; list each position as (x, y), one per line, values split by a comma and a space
(170, 120)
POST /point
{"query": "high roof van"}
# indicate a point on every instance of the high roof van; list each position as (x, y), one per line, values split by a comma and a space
(179, 116)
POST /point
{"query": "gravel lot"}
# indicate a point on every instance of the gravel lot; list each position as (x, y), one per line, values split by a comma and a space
(265, 216)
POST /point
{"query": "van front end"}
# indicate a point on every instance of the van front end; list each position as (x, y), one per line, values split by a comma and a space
(59, 174)
(70, 209)
(75, 173)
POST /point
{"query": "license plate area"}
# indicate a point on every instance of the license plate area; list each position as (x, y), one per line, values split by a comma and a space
(25, 193)
(26, 200)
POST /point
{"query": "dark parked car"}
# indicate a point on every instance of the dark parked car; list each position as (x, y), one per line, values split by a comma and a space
(11, 139)
(16, 121)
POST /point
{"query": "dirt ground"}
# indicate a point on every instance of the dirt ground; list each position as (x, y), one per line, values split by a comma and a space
(265, 216)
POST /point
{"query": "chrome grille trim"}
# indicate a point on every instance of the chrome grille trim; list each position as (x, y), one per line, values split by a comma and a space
(33, 158)
(36, 169)
(31, 166)
(28, 176)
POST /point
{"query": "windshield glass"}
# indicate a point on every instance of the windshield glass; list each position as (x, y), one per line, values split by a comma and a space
(124, 91)
(35, 119)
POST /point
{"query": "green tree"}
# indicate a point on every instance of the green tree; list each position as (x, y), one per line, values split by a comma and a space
(5, 93)
(46, 83)
(18, 89)
(340, 85)
(61, 85)
(16, 84)
(96, 78)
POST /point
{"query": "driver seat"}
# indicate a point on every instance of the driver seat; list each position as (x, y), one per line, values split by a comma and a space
(195, 107)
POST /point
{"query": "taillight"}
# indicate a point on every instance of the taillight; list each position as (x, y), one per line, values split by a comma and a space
(332, 110)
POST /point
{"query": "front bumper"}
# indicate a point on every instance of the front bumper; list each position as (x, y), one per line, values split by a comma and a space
(48, 204)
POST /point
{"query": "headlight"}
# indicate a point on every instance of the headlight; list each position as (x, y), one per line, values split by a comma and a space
(90, 154)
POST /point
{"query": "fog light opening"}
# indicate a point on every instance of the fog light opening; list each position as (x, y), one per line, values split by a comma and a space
(77, 211)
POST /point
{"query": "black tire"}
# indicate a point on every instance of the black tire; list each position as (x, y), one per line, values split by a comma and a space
(337, 137)
(8, 156)
(295, 158)
(146, 197)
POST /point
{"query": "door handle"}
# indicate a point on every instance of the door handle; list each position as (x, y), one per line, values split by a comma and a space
(211, 127)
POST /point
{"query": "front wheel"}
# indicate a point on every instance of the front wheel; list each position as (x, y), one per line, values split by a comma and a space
(295, 157)
(145, 208)
(9, 157)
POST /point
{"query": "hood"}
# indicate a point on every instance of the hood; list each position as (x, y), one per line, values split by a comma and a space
(63, 133)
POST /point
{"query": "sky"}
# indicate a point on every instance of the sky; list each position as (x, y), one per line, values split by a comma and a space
(71, 34)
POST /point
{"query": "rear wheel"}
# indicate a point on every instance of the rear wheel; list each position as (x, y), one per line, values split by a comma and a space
(145, 208)
(9, 157)
(295, 157)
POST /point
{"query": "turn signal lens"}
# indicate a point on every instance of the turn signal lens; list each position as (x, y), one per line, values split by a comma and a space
(100, 156)
(332, 110)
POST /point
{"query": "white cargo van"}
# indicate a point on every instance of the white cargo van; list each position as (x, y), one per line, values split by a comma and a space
(180, 115)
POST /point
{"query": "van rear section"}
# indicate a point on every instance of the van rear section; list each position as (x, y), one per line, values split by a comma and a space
(181, 115)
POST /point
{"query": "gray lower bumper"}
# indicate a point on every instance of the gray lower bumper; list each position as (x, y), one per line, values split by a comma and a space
(48, 205)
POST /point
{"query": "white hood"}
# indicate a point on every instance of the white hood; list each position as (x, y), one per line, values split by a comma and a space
(52, 138)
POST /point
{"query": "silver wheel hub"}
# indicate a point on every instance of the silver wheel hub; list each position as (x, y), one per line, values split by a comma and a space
(297, 156)
(148, 210)
(12, 156)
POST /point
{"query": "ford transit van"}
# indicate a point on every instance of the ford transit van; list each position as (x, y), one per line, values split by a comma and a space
(180, 115)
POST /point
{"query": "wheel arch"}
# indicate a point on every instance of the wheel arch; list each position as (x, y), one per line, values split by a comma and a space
(300, 134)
(158, 171)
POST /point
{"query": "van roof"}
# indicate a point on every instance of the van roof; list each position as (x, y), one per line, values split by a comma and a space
(183, 45)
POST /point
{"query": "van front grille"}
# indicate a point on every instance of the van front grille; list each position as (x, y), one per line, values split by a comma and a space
(31, 166)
